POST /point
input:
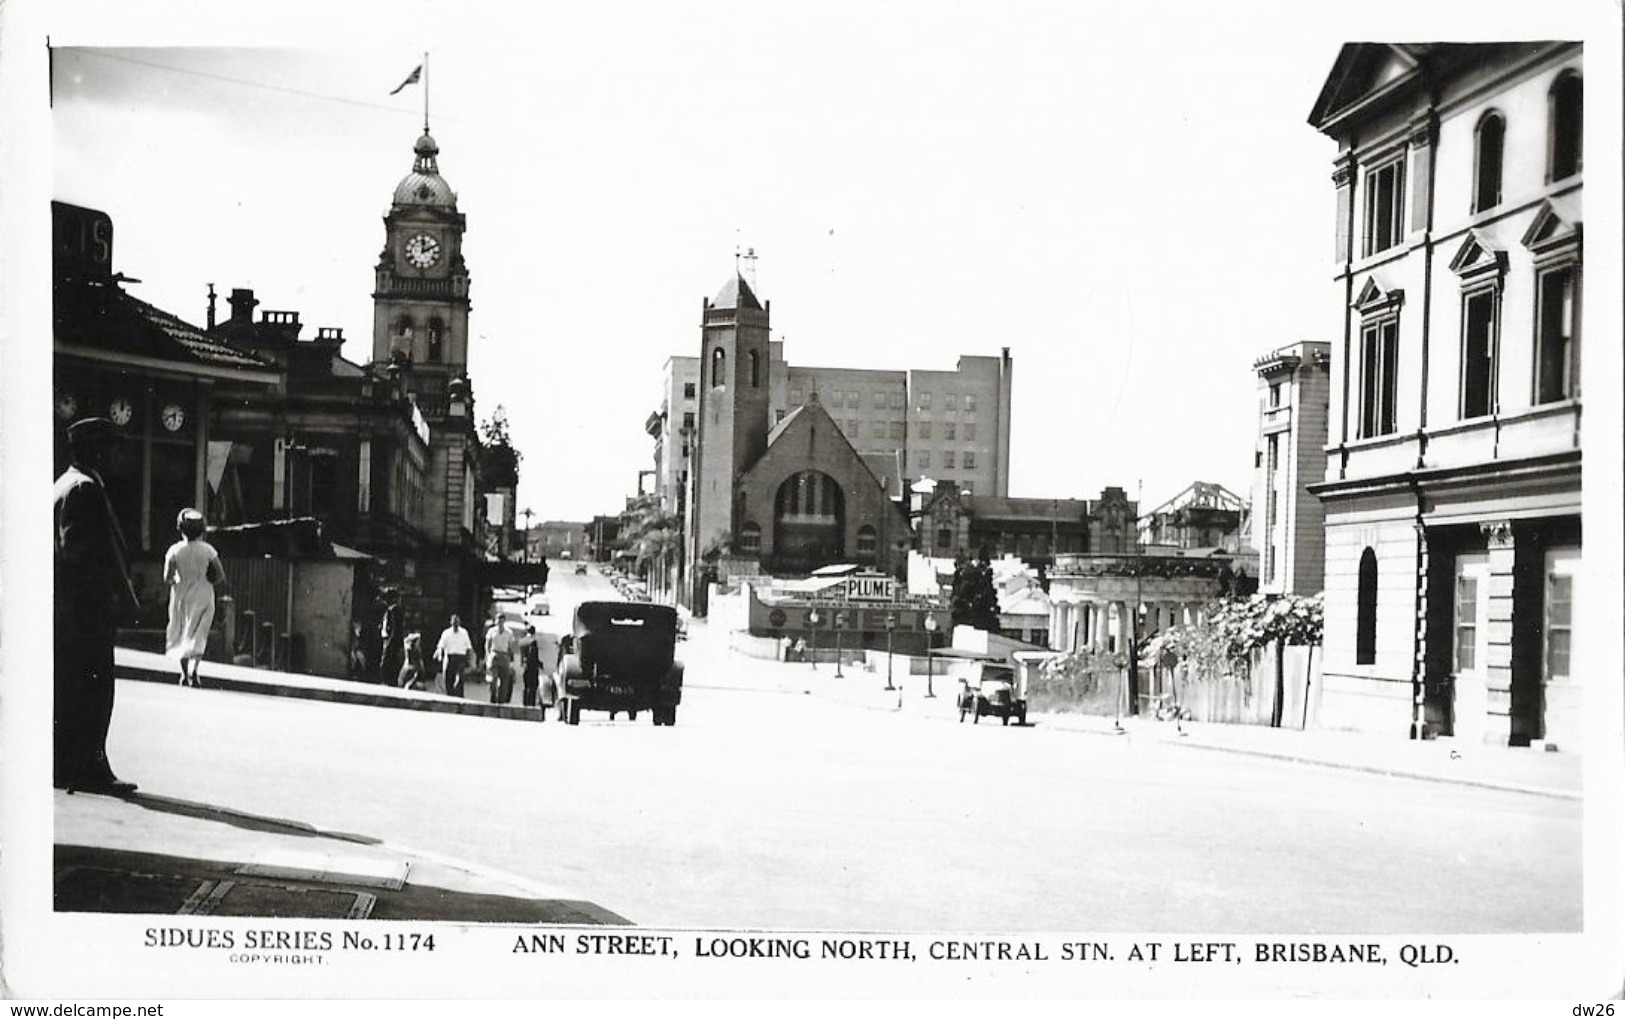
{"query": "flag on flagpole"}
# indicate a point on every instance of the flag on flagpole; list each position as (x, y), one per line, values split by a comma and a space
(411, 79)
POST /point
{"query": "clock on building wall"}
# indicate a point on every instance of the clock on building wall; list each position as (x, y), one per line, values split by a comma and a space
(66, 405)
(172, 417)
(120, 411)
(422, 250)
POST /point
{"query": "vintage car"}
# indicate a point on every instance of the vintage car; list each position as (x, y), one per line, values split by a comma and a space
(623, 659)
(994, 693)
(581, 569)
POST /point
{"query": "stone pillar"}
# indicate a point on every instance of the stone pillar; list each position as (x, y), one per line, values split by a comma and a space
(1099, 634)
(1055, 627)
(1498, 535)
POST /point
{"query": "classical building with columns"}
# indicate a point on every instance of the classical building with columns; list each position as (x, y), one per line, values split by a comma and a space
(1093, 598)
(1452, 481)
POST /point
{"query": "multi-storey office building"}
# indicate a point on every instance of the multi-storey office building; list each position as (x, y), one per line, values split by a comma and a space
(1289, 526)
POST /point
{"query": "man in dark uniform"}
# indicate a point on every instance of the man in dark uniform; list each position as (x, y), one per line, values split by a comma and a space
(92, 595)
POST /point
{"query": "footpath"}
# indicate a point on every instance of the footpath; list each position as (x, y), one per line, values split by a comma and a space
(143, 853)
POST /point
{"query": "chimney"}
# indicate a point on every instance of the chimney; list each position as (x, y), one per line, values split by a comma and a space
(211, 306)
(242, 306)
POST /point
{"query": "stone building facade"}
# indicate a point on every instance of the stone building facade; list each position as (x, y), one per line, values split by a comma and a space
(1452, 482)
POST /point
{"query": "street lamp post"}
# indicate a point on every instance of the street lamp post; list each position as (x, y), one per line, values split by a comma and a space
(812, 633)
(891, 628)
(527, 513)
(839, 623)
(930, 642)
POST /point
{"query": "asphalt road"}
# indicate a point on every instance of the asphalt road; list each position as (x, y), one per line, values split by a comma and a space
(771, 809)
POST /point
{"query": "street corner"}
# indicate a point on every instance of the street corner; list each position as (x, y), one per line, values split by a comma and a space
(287, 885)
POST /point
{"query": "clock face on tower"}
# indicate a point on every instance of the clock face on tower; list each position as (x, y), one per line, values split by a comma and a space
(173, 417)
(422, 250)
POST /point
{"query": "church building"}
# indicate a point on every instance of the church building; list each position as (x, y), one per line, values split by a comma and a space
(786, 497)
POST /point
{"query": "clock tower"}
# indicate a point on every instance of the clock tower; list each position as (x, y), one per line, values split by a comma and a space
(420, 329)
(420, 300)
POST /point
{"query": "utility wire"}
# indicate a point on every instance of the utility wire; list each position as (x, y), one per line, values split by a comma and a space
(246, 83)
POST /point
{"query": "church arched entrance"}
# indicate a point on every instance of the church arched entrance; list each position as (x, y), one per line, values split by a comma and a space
(809, 523)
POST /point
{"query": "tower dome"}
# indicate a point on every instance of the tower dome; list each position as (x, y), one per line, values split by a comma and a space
(424, 185)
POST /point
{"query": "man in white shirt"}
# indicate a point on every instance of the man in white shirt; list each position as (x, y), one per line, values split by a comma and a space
(452, 654)
(499, 661)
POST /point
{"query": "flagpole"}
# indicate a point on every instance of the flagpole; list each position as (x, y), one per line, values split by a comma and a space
(425, 91)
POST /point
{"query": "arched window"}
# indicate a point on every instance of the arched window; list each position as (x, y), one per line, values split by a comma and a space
(1487, 162)
(755, 371)
(1564, 127)
(719, 364)
(1365, 625)
(436, 339)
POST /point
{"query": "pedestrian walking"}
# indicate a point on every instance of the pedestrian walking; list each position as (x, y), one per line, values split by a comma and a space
(92, 593)
(391, 637)
(530, 659)
(452, 653)
(411, 675)
(499, 661)
(191, 571)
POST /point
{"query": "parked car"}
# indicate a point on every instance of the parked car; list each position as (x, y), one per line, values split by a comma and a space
(538, 606)
(581, 569)
(994, 693)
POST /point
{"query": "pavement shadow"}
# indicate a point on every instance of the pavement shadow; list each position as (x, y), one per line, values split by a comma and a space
(239, 819)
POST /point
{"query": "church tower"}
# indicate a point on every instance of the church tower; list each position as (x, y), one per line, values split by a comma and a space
(420, 328)
(733, 413)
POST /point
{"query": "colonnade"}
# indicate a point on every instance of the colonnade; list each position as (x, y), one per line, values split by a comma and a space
(1104, 624)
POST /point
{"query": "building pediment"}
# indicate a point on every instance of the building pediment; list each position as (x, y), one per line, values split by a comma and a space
(1478, 255)
(1363, 74)
(1374, 297)
(1554, 225)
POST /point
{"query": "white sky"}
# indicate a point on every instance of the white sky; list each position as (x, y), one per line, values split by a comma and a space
(1129, 197)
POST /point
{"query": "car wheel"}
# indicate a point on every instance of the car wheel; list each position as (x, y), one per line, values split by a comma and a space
(1004, 719)
(632, 716)
(963, 711)
(976, 717)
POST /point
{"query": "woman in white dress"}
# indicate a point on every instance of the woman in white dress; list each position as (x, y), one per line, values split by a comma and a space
(191, 569)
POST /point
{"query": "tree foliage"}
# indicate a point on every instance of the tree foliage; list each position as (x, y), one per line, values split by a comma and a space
(975, 598)
(1224, 641)
(497, 461)
(649, 531)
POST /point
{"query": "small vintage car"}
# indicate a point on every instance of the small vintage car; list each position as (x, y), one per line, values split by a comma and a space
(581, 569)
(623, 659)
(995, 693)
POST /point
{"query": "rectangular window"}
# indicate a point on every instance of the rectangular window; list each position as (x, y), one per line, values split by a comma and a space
(950, 401)
(925, 429)
(1557, 352)
(1269, 564)
(948, 430)
(1275, 452)
(778, 415)
(947, 459)
(945, 538)
(897, 429)
(1559, 622)
(688, 419)
(925, 401)
(363, 492)
(1478, 354)
(925, 459)
(1379, 377)
(854, 399)
(880, 429)
(880, 400)
(1384, 206)
(795, 397)
(688, 390)
(970, 460)
(970, 433)
(1275, 394)
(970, 402)
(1466, 623)
(897, 400)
